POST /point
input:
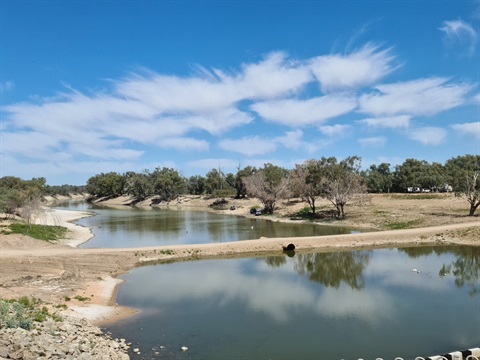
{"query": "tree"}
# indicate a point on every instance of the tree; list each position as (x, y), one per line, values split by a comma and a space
(379, 179)
(196, 185)
(167, 183)
(22, 197)
(268, 184)
(239, 183)
(418, 173)
(215, 181)
(342, 181)
(106, 185)
(464, 176)
(307, 181)
(138, 185)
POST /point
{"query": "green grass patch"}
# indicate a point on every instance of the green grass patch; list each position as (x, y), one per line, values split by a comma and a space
(414, 196)
(82, 298)
(402, 225)
(303, 214)
(167, 252)
(22, 313)
(40, 232)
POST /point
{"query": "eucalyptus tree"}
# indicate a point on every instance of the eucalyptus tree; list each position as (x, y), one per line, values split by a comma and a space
(21, 197)
(342, 181)
(241, 190)
(215, 181)
(379, 179)
(308, 181)
(105, 185)
(138, 185)
(418, 173)
(464, 176)
(168, 184)
(196, 185)
(268, 184)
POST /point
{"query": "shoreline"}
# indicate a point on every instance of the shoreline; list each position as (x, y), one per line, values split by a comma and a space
(94, 271)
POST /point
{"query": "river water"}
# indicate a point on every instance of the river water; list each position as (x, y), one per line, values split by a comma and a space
(409, 302)
(136, 227)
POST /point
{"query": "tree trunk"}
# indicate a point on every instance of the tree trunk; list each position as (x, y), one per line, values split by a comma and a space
(473, 208)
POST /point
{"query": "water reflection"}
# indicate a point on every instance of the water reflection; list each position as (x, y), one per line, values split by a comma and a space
(129, 227)
(339, 305)
(465, 267)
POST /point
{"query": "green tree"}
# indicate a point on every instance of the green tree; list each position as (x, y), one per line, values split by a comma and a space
(22, 197)
(106, 185)
(307, 181)
(463, 174)
(379, 179)
(418, 173)
(138, 185)
(167, 183)
(239, 183)
(215, 181)
(196, 185)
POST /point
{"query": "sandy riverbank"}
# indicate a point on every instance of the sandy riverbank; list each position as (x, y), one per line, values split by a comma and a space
(53, 272)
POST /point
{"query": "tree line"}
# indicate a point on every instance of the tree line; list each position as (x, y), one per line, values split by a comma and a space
(24, 198)
(338, 181)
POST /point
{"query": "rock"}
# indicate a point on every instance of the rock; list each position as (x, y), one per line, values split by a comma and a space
(72, 339)
(184, 348)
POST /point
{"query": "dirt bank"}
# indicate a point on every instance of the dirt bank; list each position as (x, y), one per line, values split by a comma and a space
(58, 273)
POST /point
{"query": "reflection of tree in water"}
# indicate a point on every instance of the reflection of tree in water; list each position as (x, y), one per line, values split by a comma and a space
(465, 268)
(331, 269)
(276, 261)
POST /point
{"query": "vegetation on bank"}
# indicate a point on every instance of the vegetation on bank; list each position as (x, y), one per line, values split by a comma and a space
(340, 182)
(41, 232)
(23, 313)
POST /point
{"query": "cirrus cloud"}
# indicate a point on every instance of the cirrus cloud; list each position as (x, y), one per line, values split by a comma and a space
(460, 33)
(428, 136)
(427, 96)
(472, 128)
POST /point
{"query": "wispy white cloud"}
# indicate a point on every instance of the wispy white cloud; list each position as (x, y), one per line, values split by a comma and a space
(460, 33)
(392, 122)
(248, 146)
(428, 136)
(337, 130)
(193, 113)
(377, 141)
(255, 145)
(360, 68)
(428, 96)
(472, 128)
(293, 140)
(299, 113)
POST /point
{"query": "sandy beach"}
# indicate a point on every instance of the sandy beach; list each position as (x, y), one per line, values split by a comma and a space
(57, 273)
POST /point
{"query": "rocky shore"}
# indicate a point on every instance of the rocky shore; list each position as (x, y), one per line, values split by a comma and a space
(71, 339)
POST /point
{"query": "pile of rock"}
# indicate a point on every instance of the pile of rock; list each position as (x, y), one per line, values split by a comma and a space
(73, 338)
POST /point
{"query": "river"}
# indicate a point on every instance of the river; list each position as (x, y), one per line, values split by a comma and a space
(409, 302)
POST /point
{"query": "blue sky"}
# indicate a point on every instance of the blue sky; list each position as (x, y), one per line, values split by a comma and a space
(98, 86)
